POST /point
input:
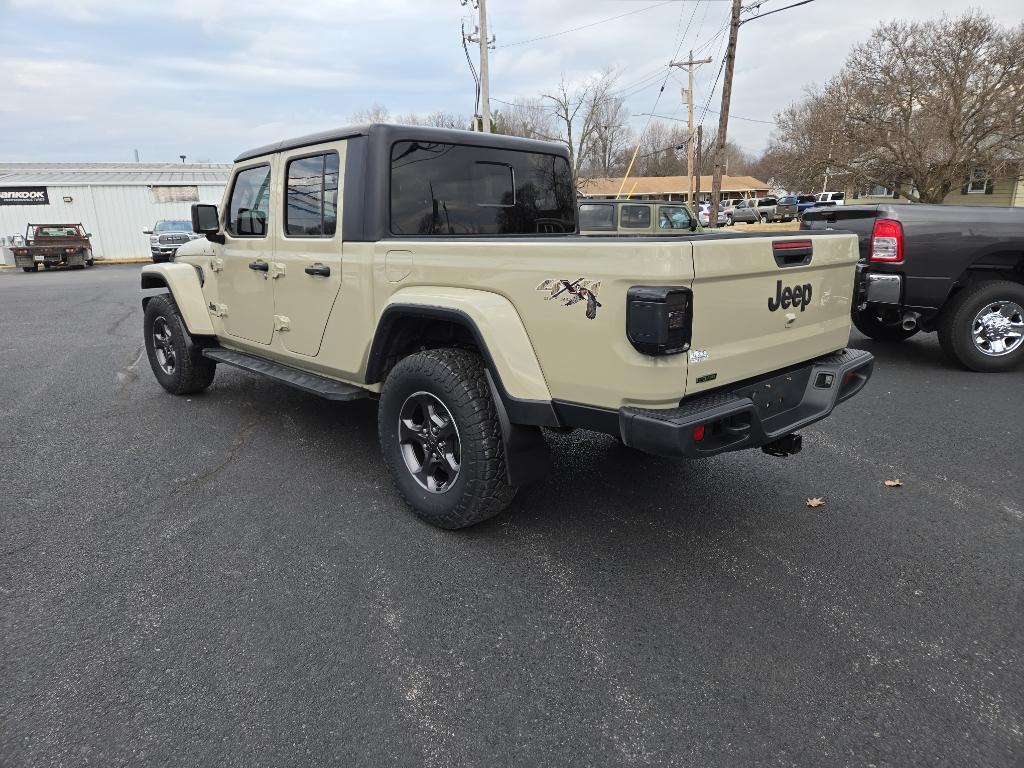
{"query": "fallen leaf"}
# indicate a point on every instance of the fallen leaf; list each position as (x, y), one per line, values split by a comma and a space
(816, 501)
(893, 483)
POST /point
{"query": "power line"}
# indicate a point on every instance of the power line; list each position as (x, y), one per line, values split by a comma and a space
(680, 120)
(585, 26)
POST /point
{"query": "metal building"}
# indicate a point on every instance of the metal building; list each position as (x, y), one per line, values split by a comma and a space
(115, 201)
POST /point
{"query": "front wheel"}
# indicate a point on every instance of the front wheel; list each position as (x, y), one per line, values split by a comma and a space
(33, 268)
(871, 325)
(982, 328)
(177, 361)
(441, 439)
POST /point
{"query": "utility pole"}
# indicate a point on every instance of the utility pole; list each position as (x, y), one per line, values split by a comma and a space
(723, 113)
(689, 64)
(700, 165)
(480, 36)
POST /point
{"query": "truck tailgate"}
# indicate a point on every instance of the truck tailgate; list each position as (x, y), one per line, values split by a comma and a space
(764, 303)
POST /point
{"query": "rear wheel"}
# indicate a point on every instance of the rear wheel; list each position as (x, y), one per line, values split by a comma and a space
(177, 361)
(33, 268)
(871, 325)
(982, 328)
(441, 439)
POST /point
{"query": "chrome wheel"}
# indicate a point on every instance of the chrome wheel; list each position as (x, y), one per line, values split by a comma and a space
(998, 329)
(429, 441)
(163, 345)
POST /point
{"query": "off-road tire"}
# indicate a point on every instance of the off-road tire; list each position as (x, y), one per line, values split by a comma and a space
(456, 377)
(191, 371)
(31, 269)
(957, 318)
(869, 324)
(90, 262)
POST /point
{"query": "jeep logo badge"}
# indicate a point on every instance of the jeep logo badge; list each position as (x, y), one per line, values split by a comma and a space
(797, 296)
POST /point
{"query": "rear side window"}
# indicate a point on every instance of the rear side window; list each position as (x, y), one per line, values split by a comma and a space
(673, 218)
(597, 216)
(838, 195)
(249, 207)
(635, 216)
(452, 189)
(312, 196)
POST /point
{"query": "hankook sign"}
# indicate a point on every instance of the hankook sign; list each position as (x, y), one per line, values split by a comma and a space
(23, 196)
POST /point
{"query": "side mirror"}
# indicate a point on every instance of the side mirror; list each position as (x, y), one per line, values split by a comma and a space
(88, 234)
(147, 231)
(205, 219)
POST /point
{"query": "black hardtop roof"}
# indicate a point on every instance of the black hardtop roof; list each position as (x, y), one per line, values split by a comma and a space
(392, 132)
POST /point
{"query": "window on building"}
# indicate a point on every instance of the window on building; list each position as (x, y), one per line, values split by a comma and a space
(312, 196)
(597, 216)
(249, 206)
(635, 216)
(978, 181)
(452, 189)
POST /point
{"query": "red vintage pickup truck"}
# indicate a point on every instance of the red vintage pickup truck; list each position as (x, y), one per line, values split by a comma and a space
(54, 245)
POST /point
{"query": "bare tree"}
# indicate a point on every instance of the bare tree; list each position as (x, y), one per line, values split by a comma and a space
(577, 110)
(375, 114)
(611, 139)
(916, 107)
(381, 114)
(528, 118)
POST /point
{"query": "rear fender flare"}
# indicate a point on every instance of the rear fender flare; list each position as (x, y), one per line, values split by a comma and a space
(182, 280)
(498, 333)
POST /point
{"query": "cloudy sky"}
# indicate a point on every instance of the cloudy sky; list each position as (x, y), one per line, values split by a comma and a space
(92, 80)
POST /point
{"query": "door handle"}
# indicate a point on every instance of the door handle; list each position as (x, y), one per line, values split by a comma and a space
(259, 266)
(318, 269)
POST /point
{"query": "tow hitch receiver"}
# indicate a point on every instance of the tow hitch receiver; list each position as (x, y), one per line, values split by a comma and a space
(784, 446)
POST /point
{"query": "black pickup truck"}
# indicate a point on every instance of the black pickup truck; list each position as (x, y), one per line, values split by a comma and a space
(954, 269)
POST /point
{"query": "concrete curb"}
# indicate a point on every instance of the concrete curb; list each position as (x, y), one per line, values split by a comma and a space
(98, 262)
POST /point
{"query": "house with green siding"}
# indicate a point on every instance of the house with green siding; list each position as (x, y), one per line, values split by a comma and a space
(979, 190)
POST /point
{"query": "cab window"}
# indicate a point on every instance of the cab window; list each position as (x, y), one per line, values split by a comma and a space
(635, 216)
(311, 196)
(597, 216)
(250, 203)
(673, 218)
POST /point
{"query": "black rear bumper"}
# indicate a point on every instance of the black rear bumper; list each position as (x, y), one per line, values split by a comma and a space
(749, 414)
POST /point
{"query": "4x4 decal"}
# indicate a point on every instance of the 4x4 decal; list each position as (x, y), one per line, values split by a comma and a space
(569, 293)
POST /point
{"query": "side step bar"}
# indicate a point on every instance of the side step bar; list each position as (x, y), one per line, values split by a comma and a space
(285, 374)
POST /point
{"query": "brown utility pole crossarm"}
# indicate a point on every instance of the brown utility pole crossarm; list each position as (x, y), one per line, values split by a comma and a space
(690, 63)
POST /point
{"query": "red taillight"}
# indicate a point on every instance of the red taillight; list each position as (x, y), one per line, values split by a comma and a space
(698, 433)
(887, 241)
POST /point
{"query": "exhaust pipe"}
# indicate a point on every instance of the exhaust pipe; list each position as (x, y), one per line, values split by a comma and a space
(909, 321)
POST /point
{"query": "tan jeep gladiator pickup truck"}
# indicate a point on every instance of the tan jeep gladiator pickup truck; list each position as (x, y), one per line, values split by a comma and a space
(443, 272)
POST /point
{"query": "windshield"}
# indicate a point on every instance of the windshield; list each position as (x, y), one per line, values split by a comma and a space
(173, 226)
(787, 200)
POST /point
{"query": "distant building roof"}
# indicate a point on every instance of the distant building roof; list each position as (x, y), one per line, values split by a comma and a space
(95, 174)
(665, 185)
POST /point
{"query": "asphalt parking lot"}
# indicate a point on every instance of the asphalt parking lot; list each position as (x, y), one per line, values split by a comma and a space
(230, 579)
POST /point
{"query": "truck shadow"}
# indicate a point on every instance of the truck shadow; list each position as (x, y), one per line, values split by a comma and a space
(917, 353)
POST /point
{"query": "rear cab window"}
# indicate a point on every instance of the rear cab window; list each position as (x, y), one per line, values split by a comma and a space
(635, 216)
(249, 205)
(597, 216)
(441, 189)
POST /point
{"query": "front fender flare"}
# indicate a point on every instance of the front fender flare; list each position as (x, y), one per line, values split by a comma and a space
(182, 280)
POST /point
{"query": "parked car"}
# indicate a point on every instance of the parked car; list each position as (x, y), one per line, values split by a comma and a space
(167, 236)
(742, 211)
(830, 198)
(766, 208)
(788, 208)
(633, 217)
(956, 270)
(445, 280)
(704, 215)
(804, 202)
(54, 245)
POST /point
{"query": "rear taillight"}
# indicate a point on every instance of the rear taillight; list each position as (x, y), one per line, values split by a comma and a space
(659, 319)
(887, 241)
